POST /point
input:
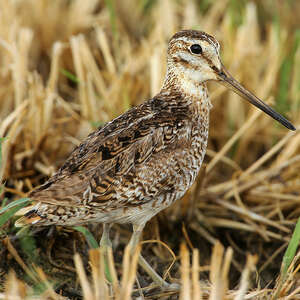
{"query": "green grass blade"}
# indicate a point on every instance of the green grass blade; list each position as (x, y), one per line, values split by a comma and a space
(285, 75)
(147, 5)
(282, 104)
(288, 258)
(93, 244)
(69, 75)
(112, 16)
(97, 124)
(28, 245)
(24, 201)
(291, 250)
(5, 199)
(88, 236)
(8, 214)
(236, 11)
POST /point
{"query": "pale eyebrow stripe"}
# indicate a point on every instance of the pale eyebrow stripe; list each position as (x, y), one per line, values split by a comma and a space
(196, 41)
(188, 40)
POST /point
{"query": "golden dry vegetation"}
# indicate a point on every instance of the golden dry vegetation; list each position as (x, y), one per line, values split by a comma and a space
(67, 67)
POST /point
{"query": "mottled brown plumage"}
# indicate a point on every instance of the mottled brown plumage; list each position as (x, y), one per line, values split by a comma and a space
(131, 168)
(144, 160)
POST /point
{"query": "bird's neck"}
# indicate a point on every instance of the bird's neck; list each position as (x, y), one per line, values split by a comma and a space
(177, 81)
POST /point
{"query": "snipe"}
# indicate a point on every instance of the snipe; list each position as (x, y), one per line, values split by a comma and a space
(141, 162)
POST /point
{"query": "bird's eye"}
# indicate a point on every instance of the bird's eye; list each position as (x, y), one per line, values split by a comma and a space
(196, 49)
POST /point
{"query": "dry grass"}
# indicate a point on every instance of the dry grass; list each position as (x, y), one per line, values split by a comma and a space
(247, 195)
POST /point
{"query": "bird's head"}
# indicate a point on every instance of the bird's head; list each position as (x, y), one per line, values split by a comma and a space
(193, 58)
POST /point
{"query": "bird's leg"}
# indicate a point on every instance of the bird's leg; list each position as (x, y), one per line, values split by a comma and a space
(105, 241)
(135, 238)
(105, 245)
(137, 230)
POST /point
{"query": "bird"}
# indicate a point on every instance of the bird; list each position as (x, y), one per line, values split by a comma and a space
(141, 162)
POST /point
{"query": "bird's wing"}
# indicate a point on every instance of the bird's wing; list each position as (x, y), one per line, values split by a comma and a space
(96, 167)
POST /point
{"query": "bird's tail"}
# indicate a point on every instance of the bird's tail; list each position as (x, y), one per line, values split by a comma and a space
(29, 216)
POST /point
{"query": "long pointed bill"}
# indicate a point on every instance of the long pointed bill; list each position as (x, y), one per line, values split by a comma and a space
(227, 80)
